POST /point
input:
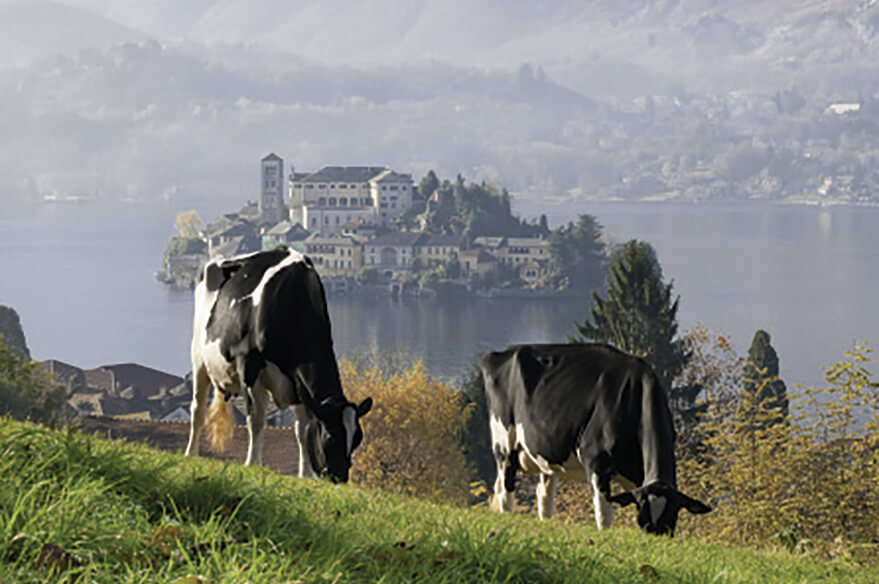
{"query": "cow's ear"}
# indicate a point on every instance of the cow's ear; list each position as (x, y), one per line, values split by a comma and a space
(692, 505)
(364, 407)
(623, 499)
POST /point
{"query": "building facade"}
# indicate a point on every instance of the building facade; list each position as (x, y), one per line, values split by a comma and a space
(335, 255)
(335, 196)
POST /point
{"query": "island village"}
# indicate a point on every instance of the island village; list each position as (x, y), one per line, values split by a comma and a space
(366, 227)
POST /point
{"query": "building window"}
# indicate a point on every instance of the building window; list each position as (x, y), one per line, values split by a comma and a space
(394, 187)
(332, 201)
(384, 188)
(322, 201)
(326, 220)
(309, 186)
(343, 186)
(297, 185)
(321, 186)
(343, 201)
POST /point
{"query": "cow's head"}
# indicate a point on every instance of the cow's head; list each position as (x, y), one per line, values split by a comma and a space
(338, 433)
(658, 506)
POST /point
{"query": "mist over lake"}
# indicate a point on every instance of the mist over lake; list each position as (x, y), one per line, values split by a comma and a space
(81, 276)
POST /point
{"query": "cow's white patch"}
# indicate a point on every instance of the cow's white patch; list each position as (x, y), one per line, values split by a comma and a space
(657, 506)
(500, 435)
(222, 372)
(292, 257)
(349, 419)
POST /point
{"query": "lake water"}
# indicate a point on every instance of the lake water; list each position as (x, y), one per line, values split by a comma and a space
(81, 276)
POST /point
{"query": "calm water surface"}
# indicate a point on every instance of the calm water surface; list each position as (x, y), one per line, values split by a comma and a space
(81, 277)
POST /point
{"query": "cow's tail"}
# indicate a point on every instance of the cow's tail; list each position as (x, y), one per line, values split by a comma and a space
(220, 423)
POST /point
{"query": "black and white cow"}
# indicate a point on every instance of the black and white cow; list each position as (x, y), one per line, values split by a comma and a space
(584, 412)
(261, 326)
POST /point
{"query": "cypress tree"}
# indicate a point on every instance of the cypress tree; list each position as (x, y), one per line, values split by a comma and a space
(761, 376)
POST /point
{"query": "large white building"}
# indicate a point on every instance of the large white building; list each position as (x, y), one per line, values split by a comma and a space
(335, 196)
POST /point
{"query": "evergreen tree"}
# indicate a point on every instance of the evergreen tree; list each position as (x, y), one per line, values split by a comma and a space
(639, 316)
(761, 379)
(11, 332)
(428, 184)
(577, 254)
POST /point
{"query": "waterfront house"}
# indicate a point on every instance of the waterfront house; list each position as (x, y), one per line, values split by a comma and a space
(292, 235)
(518, 251)
(334, 255)
(477, 262)
(392, 253)
(434, 250)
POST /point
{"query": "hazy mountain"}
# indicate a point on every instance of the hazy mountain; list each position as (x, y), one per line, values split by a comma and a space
(32, 30)
(533, 95)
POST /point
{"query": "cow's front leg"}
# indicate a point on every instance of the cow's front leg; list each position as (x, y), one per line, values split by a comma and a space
(201, 384)
(604, 510)
(547, 486)
(301, 423)
(256, 423)
(249, 368)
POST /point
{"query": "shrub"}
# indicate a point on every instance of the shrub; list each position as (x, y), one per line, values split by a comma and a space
(413, 436)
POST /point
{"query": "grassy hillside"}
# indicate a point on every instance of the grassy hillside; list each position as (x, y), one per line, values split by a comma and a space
(77, 508)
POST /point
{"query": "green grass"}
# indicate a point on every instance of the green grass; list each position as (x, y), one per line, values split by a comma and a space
(80, 509)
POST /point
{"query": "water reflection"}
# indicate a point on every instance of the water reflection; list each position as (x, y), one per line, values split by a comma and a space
(449, 334)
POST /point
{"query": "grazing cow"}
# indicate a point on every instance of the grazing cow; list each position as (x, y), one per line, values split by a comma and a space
(261, 325)
(584, 411)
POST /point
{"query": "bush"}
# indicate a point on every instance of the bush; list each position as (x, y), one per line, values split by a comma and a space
(810, 483)
(413, 436)
(26, 393)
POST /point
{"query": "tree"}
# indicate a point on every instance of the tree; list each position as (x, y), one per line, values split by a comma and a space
(366, 276)
(639, 314)
(188, 224)
(713, 374)
(577, 253)
(412, 439)
(477, 434)
(11, 332)
(428, 184)
(26, 393)
(761, 377)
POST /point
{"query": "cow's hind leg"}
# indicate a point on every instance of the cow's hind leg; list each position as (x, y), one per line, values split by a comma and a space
(547, 486)
(201, 384)
(507, 458)
(604, 510)
(505, 483)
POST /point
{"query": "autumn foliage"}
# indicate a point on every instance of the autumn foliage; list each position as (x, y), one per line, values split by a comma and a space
(413, 436)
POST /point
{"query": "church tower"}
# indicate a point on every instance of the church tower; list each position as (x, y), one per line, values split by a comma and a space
(271, 199)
